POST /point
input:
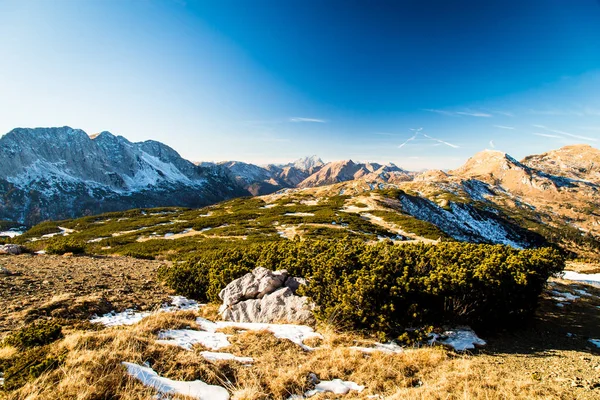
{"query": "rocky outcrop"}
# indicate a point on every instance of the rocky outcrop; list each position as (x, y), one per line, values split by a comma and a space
(265, 296)
(59, 173)
(12, 249)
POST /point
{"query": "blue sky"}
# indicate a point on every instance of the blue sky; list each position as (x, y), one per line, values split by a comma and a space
(269, 81)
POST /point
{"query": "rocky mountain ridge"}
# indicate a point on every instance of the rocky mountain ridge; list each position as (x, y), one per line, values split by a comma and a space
(59, 173)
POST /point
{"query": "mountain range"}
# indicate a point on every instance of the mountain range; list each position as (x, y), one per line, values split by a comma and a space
(59, 173)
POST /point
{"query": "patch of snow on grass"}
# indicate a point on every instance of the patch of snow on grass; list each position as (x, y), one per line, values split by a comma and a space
(213, 356)
(181, 303)
(194, 389)
(96, 240)
(564, 296)
(130, 317)
(187, 338)
(593, 279)
(299, 214)
(294, 333)
(336, 386)
(11, 234)
(389, 348)
(582, 292)
(459, 339)
(127, 317)
(269, 206)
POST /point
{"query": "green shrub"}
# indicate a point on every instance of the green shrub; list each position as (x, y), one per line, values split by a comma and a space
(37, 334)
(385, 288)
(62, 245)
(26, 366)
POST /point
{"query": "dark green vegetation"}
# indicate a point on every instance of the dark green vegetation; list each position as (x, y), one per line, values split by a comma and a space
(145, 233)
(385, 288)
(413, 225)
(37, 334)
(34, 358)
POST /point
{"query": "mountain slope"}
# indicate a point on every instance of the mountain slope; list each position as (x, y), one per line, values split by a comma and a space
(56, 173)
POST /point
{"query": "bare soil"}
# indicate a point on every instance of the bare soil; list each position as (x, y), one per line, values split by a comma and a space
(75, 287)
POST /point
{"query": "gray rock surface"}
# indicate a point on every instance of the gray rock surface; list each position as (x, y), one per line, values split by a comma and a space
(13, 249)
(253, 285)
(265, 296)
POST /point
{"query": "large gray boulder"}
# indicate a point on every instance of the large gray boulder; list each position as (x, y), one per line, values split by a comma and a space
(265, 296)
(12, 249)
(253, 285)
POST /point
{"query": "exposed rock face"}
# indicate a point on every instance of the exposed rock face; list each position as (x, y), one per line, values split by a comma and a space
(58, 173)
(265, 296)
(13, 249)
(253, 285)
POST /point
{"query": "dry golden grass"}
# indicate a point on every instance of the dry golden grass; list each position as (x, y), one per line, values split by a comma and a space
(92, 367)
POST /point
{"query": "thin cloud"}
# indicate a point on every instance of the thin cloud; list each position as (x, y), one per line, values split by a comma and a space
(474, 114)
(492, 145)
(566, 133)
(546, 135)
(468, 113)
(418, 132)
(441, 141)
(408, 140)
(443, 112)
(579, 112)
(300, 119)
(504, 127)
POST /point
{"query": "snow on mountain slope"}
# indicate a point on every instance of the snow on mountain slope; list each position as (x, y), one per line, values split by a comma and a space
(50, 173)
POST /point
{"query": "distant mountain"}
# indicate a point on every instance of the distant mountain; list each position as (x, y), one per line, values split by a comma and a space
(347, 170)
(59, 173)
(308, 164)
(55, 173)
(580, 162)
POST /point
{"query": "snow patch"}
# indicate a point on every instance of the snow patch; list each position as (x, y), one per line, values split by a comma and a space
(593, 279)
(127, 317)
(458, 339)
(336, 386)
(11, 234)
(300, 214)
(214, 356)
(294, 333)
(389, 348)
(564, 296)
(130, 316)
(194, 389)
(187, 338)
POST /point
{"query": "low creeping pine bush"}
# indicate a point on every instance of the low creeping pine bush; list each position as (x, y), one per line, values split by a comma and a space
(385, 288)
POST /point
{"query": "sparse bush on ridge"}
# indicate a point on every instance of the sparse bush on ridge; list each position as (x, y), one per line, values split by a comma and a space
(385, 288)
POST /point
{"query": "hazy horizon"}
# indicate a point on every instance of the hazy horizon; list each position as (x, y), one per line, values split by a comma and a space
(269, 82)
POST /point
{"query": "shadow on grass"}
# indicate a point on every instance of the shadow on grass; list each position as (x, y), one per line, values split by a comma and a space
(559, 324)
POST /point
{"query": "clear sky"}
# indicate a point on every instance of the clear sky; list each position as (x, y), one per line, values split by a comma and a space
(271, 80)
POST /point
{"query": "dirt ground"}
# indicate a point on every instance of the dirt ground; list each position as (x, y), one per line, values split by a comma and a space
(553, 349)
(75, 287)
